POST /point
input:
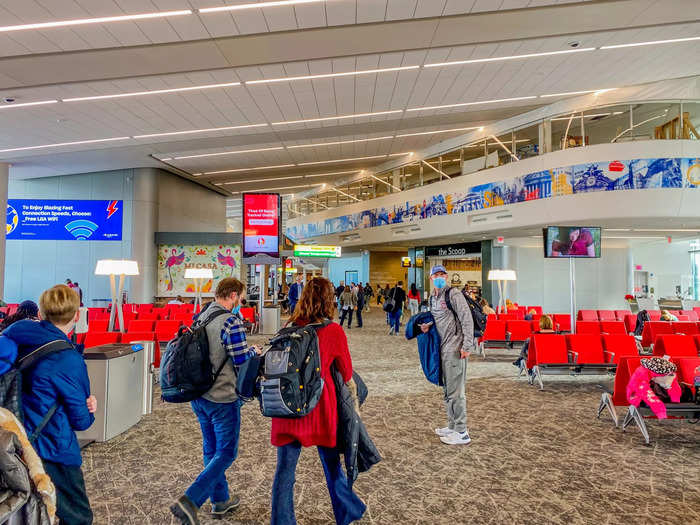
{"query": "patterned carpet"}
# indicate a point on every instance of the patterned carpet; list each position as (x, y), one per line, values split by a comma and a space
(536, 457)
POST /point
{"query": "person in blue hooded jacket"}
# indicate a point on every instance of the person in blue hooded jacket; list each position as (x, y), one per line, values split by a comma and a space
(59, 379)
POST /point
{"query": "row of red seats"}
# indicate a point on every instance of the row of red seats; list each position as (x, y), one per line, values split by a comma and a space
(653, 329)
(601, 327)
(9, 309)
(518, 331)
(619, 315)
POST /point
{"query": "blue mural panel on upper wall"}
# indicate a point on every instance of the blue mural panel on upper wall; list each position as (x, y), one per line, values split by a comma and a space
(566, 180)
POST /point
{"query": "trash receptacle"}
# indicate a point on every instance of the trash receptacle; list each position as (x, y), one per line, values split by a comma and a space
(270, 320)
(117, 381)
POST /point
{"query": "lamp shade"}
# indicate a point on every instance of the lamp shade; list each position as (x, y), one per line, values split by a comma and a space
(501, 275)
(199, 273)
(116, 267)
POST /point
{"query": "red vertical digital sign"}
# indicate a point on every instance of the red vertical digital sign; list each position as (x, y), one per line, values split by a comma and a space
(261, 224)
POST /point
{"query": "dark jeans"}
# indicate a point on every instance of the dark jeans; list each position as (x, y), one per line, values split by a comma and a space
(395, 320)
(347, 507)
(72, 504)
(292, 306)
(359, 315)
(221, 425)
(345, 313)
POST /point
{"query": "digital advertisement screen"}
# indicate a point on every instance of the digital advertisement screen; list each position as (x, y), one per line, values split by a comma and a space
(64, 220)
(261, 224)
(571, 241)
(313, 250)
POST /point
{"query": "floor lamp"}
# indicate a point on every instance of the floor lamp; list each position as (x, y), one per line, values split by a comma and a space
(502, 276)
(113, 268)
(198, 274)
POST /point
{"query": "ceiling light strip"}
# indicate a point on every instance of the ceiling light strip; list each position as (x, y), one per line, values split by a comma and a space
(332, 75)
(188, 131)
(652, 43)
(343, 160)
(436, 131)
(248, 169)
(152, 92)
(427, 108)
(101, 20)
(235, 152)
(340, 142)
(263, 180)
(338, 117)
(257, 5)
(333, 173)
(25, 104)
(512, 57)
(60, 144)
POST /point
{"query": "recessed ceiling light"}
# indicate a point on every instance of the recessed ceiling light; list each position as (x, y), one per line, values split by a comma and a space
(512, 57)
(188, 131)
(652, 43)
(25, 104)
(339, 117)
(435, 131)
(57, 145)
(427, 108)
(235, 152)
(152, 92)
(339, 142)
(258, 5)
(332, 75)
(101, 20)
(249, 169)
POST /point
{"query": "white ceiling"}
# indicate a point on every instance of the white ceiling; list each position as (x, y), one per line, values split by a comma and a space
(265, 104)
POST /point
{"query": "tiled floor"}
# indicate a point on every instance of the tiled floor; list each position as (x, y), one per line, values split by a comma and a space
(536, 457)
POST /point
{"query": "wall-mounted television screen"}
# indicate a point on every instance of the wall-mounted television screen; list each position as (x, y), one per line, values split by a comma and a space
(571, 241)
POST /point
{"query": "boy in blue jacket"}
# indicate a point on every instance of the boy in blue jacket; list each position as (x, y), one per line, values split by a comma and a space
(59, 379)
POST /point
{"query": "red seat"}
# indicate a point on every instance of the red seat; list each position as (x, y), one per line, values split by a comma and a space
(141, 325)
(104, 314)
(618, 346)
(685, 327)
(159, 312)
(621, 314)
(98, 325)
(547, 349)
(562, 322)
(508, 317)
(675, 346)
(625, 369)
(138, 336)
(612, 327)
(537, 309)
(535, 324)
(147, 316)
(491, 317)
(495, 331)
(686, 370)
(682, 317)
(166, 330)
(692, 315)
(586, 349)
(80, 338)
(588, 327)
(606, 315)
(652, 329)
(185, 318)
(654, 315)
(630, 322)
(101, 338)
(519, 330)
(587, 315)
(187, 308)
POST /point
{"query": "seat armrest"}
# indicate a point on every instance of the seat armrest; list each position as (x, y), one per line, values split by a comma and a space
(575, 356)
(507, 336)
(612, 355)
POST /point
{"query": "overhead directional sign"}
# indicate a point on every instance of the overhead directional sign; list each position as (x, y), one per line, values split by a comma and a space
(312, 250)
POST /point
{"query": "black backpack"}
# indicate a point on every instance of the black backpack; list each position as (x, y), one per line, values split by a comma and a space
(478, 317)
(186, 372)
(642, 317)
(290, 382)
(11, 383)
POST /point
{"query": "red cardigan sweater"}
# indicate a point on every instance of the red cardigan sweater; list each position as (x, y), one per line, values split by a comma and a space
(319, 427)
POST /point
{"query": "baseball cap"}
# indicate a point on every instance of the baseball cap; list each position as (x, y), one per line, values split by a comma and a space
(437, 268)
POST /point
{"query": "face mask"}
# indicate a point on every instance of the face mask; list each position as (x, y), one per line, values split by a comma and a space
(439, 282)
(664, 381)
(236, 309)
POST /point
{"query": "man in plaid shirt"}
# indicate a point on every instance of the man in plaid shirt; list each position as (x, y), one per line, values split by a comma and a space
(219, 410)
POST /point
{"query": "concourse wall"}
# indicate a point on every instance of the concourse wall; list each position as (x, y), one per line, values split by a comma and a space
(154, 200)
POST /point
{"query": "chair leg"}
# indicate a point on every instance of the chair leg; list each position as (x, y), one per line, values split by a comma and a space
(633, 415)
(606, 402)
(538, 376)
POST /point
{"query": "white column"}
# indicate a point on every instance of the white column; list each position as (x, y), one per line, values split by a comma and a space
(4, 176)
(142, 287)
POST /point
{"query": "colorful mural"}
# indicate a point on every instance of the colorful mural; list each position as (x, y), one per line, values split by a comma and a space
(581, 178)
(173, 260)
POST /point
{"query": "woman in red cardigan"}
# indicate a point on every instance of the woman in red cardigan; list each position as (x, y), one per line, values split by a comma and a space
(317, 303)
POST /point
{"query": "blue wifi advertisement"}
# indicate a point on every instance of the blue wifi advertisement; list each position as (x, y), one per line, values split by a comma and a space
(64, 220)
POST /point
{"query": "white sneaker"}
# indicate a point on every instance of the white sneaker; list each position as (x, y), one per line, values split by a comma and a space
(456, 439)
(447, 431)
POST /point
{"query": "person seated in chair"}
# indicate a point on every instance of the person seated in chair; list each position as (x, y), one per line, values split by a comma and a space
(546, 327)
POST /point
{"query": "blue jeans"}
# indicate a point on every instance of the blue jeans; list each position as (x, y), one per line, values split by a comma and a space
(347, 507)
(221, 425)
(395, 320)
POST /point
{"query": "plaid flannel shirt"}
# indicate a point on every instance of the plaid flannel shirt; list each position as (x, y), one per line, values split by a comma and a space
(234, 340)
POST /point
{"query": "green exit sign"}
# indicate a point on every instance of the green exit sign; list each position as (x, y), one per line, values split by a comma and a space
(312, 250)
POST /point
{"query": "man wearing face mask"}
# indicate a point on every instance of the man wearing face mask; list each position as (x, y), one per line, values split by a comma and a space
(219, 410)
(456, 329)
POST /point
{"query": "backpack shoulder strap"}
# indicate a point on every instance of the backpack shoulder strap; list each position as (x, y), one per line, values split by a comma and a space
(214, 316)
(45, 420)
(41, 352)
(448, 302)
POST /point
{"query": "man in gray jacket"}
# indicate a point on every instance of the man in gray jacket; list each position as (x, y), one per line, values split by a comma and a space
(456, 330)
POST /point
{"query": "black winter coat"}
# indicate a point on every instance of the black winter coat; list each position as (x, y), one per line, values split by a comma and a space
(353, 441)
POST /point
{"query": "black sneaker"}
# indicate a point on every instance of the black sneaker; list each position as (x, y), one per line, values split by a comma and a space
(218, 510)
(185, 511)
